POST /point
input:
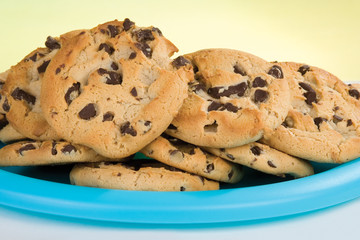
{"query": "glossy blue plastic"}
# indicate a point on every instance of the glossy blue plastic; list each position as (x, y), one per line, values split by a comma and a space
(327, 187)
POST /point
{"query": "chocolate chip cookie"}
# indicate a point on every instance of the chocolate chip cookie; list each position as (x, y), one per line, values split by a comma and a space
(233, 98)
(265, 159)
(34, 153)
(113, 88)
(138, 175)
(323, 124)
(22, 93)
(190, 158)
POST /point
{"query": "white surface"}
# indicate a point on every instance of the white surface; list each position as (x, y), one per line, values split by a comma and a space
(339, 222)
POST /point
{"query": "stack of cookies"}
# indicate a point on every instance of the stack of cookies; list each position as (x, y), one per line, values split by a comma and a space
(95, 97)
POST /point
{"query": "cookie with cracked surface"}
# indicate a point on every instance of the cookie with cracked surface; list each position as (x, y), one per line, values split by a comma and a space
(138, 175)
(34, 153)
(265, 159)
(176, 153)
(113, 88)
(234, 96)
(323, 124)
(22, 93)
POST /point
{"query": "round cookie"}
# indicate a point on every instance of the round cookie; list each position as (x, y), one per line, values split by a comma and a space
(140, 176)
(192, 159)
(234, 96)
(107, 88)
(34, 153)
(323, 124)
(265, 159)
(22, 92)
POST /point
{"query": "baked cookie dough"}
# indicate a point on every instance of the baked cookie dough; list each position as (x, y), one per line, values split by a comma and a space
(114, 88)
(323, 124)
(138, 175)
(233, 98)
(34, 153)
(190, 158)
(265, 159)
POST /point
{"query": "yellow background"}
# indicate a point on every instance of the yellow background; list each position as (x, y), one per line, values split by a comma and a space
(321, 33)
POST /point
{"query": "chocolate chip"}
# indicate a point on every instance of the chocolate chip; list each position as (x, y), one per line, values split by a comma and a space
(114, 66)
(259, 82)
(231, 108)
(113, 30)
(195, 68)
(6, 105)
(108, 116)
(145, 48)
(337, 119)
(271, 164)
(107, 48)
(354, 93)
(230, 156)
(102, 71)
(349, 123)
(58, 70)
(33, 57)
(231, 174)
(310, 97)
(217, 92)
(19, 94)
(318, 121)
(126, 128)
(172, 127)
(43, 66)
(260, 96)
(210, 167)
(27, 147)
(214, 106)
(182, 189)
(133, 92)
(53, 148)
(304, 69)
(144, 35)
(306, 87)
(127, 24)
(88, 112)
(155, 29)
(239, 70)
(212, 128)
(3, 122)
(276, 72)
(113, 78)
(256, 150)
(51, 43)
(199, 86)
(67, 149)
(72, 93)
(180, 61)
(132, 55)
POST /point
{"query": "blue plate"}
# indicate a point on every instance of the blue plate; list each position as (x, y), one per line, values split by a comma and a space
(259, 196)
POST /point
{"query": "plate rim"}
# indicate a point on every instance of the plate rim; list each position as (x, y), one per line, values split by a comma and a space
(321, 190)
